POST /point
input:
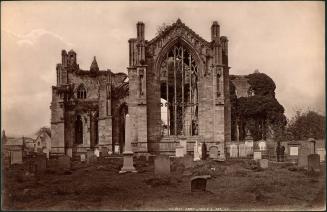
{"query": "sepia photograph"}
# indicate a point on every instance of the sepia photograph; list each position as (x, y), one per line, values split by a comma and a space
(163, 106)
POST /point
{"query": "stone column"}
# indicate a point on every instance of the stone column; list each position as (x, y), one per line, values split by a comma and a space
(128, 153)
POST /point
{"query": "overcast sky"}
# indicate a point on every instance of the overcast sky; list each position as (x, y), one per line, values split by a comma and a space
(282, 39)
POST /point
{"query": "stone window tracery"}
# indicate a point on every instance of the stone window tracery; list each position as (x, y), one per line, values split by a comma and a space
(81, 92)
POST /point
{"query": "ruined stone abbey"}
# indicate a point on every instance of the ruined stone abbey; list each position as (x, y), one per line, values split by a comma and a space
(177, 87)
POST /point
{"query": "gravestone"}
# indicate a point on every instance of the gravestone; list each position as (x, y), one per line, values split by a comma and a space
(257, 155)
(213, 152)
(162, 165)
(303, 152)
(221, 152)
(294, 151)
(104, 152)
(40, 163)
(97, 152)
(199, 183)
(69, 152)
(128, 164)
(16, 157)
(64, 162)
(117, 149)
(242, 150)
(262, 145)
(82, 157)
(263, 163)
(249, 147)
(196, 151)
(90, 156)
(179, 151)
(233, 152)
(314, 162)
(183, 144)
(322, 154)
(187, 161)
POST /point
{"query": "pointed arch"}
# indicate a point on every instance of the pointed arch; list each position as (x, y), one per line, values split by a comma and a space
(81, 91)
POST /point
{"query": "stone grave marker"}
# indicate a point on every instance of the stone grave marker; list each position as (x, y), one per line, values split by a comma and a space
(82, 157)
(16, 157)
(183, 144)
(187, 161)
(249, 147)
(40, 163)
(97, 152)
(199, 183)
(104, 152)
(196, 151)
(117, 149)
(64, 162)
(162, 165)
(213, 152)
(322, 154)
(179, 151)
(128, 164)
(314, 162)
(303, 153)
(242, 150)
(69, 152)
(263, 163)
(233, 152)
(256, 155)
(221, 152)
(262, 145)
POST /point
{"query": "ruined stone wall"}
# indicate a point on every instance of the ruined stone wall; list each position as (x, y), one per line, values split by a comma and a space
(241, 85)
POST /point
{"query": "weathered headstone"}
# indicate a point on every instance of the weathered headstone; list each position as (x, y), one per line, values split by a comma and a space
(262, 145)
(90, 156)
(249, 147)
(183, 144)
(263, 163)
(257, 155)
(97, 152)
(69, 152)
(40, 163)
(104, 152)
(64, 162)
(16, 157)
(322, 154)
(187, 161)
(162, 165)
(179, 151)
(128, 165)
(233, 152)
(314, 162)
(294, 151)
(303, 153)
(199, 183)
(82, 157)
(117, 149)
(242, 150)
(221, 152)
(196, 152)
(213, 152)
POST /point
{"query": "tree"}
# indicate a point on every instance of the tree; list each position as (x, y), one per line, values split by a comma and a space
(162, 28)
(260, 110)
(305, 125)
(43, 130)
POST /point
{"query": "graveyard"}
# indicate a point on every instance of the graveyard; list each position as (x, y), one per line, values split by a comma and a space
(162, 183)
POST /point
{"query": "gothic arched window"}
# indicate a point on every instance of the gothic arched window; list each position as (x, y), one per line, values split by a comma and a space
(81, 92)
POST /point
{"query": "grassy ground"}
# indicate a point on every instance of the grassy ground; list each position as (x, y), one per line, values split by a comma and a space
(235, 185)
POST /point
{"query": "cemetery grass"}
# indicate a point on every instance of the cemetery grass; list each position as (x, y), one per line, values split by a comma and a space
(234, 185)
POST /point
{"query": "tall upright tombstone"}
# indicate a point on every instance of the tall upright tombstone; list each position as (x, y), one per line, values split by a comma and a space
(196, 151)
(128, 165)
